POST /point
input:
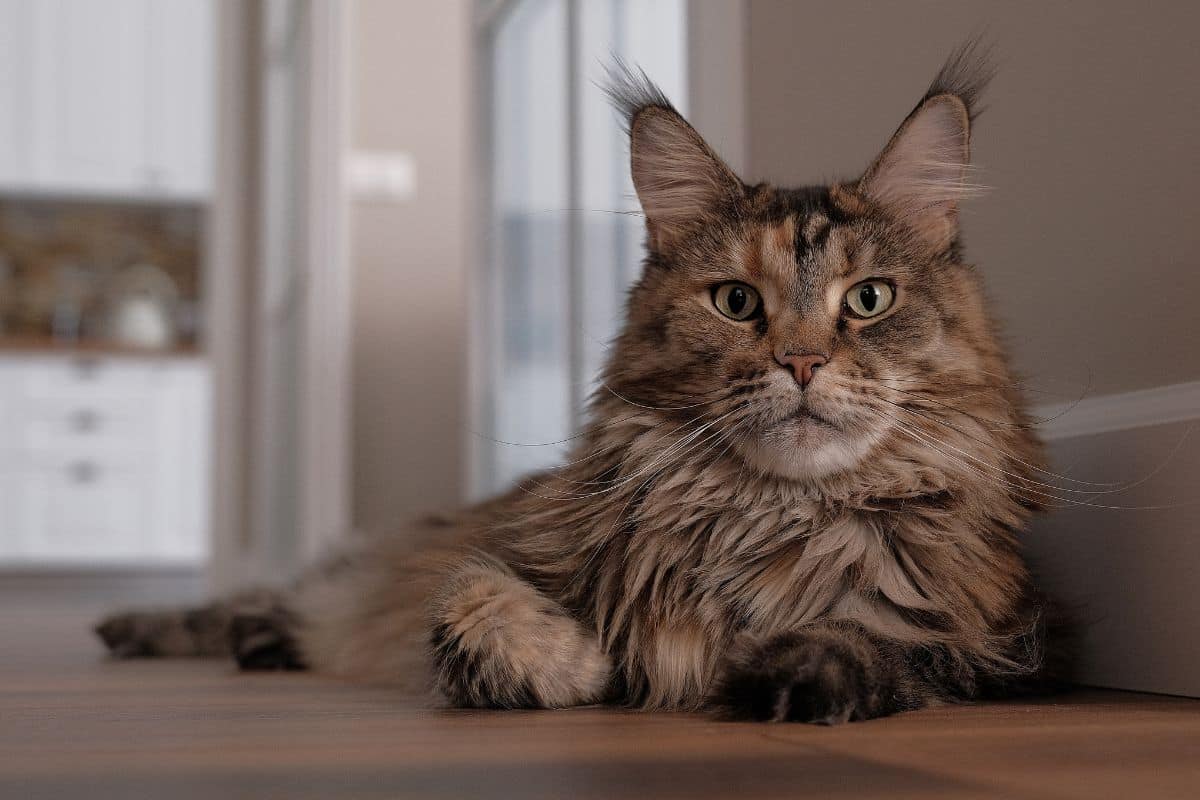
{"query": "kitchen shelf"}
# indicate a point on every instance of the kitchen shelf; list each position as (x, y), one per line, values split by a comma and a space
(43, 346)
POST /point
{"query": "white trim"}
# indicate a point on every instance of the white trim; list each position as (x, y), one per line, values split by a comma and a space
(248, 543)
(488, 14)
(227, 287)
(324, 423)
(577, 386)
(1179, 402)
(480, 368)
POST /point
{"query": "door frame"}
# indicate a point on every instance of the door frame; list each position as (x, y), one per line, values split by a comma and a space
(242, 550)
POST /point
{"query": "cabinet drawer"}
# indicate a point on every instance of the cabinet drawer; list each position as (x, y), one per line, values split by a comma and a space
(83, 429)
(90, 380)
(70, 404)
(75, 511)
(102, 460)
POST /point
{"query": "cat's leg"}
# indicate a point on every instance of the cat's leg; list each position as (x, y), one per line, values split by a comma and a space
(202, 631)
(500, 643)
(831, 673)
(254, 627)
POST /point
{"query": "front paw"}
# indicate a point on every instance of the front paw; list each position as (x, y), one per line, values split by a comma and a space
(821, 676)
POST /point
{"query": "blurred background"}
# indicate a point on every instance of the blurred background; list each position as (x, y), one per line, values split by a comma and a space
(275, 270)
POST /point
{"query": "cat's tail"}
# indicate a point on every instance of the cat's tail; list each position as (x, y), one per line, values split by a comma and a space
(257, 628)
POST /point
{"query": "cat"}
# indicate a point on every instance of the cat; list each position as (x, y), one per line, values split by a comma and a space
(800, 495)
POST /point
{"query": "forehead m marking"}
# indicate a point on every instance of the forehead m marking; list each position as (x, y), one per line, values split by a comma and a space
(841, 251)
(815, 229)
(777, 252)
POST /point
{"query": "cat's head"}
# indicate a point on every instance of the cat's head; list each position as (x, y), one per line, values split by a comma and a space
(816, 324)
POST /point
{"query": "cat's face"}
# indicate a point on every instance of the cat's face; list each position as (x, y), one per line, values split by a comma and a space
(795, 320)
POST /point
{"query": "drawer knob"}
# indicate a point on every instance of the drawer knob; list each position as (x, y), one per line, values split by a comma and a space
(83, 472)
(85, 421)
(86, 368)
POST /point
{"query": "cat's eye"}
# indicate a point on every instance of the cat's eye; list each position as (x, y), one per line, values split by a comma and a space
(736, 300)
(870, 298)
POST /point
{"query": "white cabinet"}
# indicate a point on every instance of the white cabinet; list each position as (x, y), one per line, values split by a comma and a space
(16, 92)
(103, 460)
(107, 98)
(181, 119)
(89, 70)
(82, 511)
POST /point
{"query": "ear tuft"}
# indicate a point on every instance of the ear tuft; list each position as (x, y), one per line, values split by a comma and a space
(922, 174)
(680, 181)
(631, 91)
(966, 74)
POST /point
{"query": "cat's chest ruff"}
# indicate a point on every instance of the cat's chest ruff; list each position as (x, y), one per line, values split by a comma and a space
(707, 565)
(770, 568)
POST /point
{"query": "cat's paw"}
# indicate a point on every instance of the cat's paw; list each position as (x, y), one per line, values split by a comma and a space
(121, 635)
(817, 675)
(264, 640)
(498, 643)
(143, 634)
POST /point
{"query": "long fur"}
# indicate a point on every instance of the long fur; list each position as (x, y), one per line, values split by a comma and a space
(720, 537)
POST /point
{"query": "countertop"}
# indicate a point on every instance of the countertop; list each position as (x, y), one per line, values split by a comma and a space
(46, 346)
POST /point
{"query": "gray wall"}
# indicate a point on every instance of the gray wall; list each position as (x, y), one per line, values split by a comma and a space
(411, 81)
(1089, 237)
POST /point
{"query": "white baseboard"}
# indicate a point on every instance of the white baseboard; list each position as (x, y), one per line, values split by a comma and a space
(1179, 402)
(1123, 561)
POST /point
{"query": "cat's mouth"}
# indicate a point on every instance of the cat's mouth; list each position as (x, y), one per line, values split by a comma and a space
(808, 436)
(806, 415)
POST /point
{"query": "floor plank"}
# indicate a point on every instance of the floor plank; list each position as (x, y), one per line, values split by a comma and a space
(73, 724)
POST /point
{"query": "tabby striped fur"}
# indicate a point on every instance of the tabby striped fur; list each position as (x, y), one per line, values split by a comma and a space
(719, 537)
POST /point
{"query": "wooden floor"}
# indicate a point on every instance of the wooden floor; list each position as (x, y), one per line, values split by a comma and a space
(73, 724)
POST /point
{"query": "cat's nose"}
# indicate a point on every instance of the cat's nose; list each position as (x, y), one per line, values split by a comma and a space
(803, 366)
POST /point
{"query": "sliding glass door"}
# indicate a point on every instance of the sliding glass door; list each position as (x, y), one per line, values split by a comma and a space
(563, 237)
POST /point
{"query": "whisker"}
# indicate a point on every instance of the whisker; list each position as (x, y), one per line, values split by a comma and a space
(1020, 491)
(1022, 462)
(1022, 478)
(1018, 385)
(727, 433)
(617, 481)
(1043, 377)
(615, 446)
(722, 392)
(580, 435)
(685, 442)
(744, 405)
(977, 418)
(618, 520)
(724, 389)
(982, 387)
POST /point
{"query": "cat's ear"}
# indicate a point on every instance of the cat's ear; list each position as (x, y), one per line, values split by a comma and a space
(923, 173)
(679, 180)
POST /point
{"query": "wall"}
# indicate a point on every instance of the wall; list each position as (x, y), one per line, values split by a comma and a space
(410, 258)
(1088, 236)
(1088, 241)
(717, 60)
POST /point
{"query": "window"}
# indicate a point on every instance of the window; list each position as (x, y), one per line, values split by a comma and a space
(563, 237)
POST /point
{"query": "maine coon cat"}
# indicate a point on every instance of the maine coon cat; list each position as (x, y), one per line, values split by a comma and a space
(799, 497)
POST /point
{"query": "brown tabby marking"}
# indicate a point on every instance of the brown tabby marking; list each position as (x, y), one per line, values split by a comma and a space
(725, 535)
